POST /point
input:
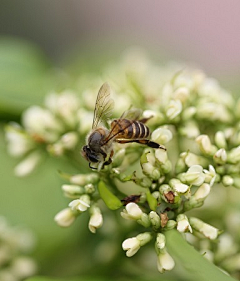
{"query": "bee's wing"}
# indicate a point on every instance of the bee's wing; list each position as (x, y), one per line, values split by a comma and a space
(103, 107)
(131, 114)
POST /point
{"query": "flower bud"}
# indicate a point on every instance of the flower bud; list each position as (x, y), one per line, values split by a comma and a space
(69, 140)
(71, 190)
(220, 157)
(165, 261)
(227, 180)
(174, 109)
(160, 242)
(27, 165)
(89, 188)
(234, 155)
(18, 142)
(83, 179)
(171, 224)
(96, 219)
(183, 224)
(144, 220)
(205, 145)
(190, 130)
(182, 94)
(220, 139)
(132, 212)
(65, 217)
(189, 112)
(144, 238)
(154, 219)
(161, 135)
(206, 229)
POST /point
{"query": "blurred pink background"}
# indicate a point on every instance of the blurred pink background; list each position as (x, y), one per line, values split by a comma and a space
(206, 33)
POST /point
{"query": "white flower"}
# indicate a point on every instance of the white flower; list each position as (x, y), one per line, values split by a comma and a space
(178, 186)
(234, 155)
(69, 140)
(210, 175)
(202, 192)
(27, 165)
(81, 204)
(182, 94)
(190, 129)
(65, 105)
(161, 155)
(132, 212)
(183, 224)
(220, 139)
(65, 217)
(206, 229)
(23, 267)
(220, 156)
(194, 175)
(41, 123)
(161, 135)
(165, 261)
(174, 109)
(213, 111)
(18, 142)
(96, 219)
(131, 245)
(205, 144)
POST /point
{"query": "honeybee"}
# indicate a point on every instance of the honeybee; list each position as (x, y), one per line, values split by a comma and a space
(128, 128)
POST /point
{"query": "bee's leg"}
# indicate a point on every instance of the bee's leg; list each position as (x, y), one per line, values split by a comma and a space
(109, 161)
(145, 142)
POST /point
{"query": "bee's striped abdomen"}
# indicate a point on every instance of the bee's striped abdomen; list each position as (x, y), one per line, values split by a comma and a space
(130, 129)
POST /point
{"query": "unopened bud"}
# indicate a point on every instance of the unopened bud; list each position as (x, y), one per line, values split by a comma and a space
(154, 219)
(205, 145)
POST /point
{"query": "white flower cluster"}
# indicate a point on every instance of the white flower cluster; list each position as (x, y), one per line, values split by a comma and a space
(190, 114)
(82, 188)
(54, 127)
(16, 243)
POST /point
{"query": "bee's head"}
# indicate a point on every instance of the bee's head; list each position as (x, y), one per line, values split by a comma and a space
(89, 155)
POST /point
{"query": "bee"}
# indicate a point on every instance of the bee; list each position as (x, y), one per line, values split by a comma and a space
(127, 129)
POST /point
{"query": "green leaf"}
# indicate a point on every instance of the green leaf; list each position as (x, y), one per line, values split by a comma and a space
(24, 76)
(108, 197)
(152, 201)
(197, 267)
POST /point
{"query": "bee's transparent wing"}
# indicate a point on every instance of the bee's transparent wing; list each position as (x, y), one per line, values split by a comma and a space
(103, 107)
(132, 114)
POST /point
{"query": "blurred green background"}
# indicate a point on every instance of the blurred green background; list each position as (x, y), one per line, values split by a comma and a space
(42, 40)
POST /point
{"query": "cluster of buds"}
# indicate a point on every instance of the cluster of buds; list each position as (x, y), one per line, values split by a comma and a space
(197, 121)
(53, 128)
(82, 188)
(16, 243)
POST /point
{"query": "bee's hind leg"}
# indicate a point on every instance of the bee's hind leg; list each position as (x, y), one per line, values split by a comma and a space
(145, 142)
